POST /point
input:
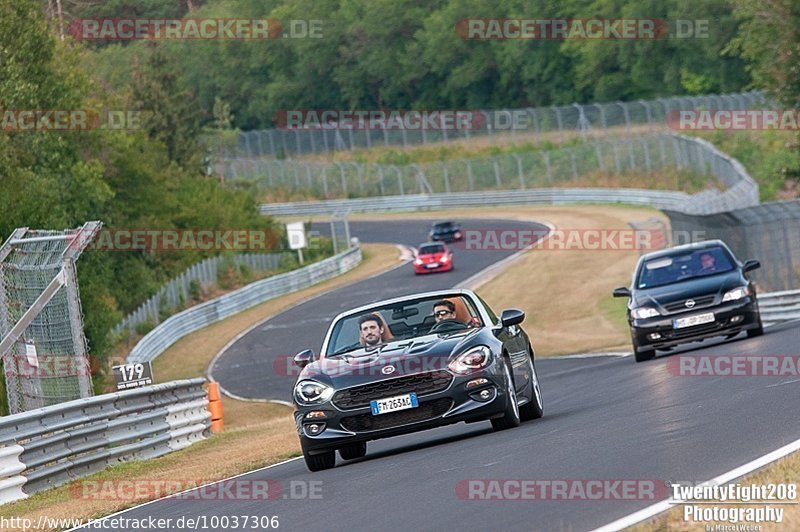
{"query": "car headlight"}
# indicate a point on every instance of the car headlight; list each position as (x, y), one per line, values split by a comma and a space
(736, 293)
(312, 392)
(642, 313)
(473, 359)
(418, 262)
(458, 234)
(444, 258)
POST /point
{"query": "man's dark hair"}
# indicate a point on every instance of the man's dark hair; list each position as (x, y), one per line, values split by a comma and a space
(446, 303)
(369, 317)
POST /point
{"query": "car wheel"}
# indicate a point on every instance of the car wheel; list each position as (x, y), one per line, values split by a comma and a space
(353, 451)
(318, 462)
(534, 409)
(758, 331)
(510, 417)
(642, 356)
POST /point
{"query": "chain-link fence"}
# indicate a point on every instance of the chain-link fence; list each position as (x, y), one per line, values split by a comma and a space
(187, 286)
(536, 123)
(175, 294)
(768, 232)
(518, 171)
(340, 231)
(43, 347)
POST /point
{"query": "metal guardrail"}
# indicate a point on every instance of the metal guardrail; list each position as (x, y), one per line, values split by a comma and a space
(547, 196)
(50, 446)
(678, 151)
(779, 307)
(176, 327)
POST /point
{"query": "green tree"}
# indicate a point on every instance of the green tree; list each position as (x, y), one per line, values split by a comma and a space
(171, 111)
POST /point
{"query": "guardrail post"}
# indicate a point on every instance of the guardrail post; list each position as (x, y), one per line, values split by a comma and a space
(519, 171)
(546, 157)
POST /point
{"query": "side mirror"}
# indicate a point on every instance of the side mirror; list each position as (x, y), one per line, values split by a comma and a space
(511, 317)
(303, 358)
(751, 265)
(622, 292)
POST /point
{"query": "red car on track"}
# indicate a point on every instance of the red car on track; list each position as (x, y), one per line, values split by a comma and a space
(433, 257)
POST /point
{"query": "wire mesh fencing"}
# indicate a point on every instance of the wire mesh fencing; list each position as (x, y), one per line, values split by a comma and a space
(554, 123)
(517, 171)
(43, 347)
(173, 295)
(769, 232)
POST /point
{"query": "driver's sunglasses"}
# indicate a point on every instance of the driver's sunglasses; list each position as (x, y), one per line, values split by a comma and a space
(441, 313)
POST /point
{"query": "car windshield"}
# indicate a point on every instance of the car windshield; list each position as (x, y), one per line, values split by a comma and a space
(431, 249)
(443, 226)
(683, 266)
(402, 321)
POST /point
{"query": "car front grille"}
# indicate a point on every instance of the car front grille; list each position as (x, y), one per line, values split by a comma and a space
(699, 302)
(425, 411)
(421, 384)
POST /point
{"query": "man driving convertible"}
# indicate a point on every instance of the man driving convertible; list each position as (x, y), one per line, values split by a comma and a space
(444, 312)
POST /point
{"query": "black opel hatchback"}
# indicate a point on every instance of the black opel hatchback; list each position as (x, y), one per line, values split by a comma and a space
(690, 293)
(445, 231)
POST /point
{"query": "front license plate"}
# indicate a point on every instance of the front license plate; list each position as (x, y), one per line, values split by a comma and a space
(393, 404)
(432, 265)
(693, 320)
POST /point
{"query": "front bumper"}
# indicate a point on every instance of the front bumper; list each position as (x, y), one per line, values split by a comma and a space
(451, 405)
(446, 237)
(730, 318)
(446, 267)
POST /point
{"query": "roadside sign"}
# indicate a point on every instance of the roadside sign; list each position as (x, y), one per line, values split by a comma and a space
(297, 235)
(129, 376)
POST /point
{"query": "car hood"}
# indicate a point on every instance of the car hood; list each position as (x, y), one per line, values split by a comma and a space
(431, 257)
(692, 288)
(416, 355)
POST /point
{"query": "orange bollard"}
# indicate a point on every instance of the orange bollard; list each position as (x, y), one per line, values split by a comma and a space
(213, 391)
(215, 407)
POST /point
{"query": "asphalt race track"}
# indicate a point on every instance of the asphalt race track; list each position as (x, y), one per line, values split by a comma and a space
(606, 418)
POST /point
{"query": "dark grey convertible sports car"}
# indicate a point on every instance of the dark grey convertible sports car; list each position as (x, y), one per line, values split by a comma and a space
(410, 364)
